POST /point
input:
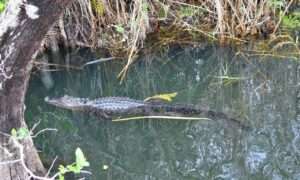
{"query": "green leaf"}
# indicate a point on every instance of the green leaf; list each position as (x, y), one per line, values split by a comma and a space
(163, 11)
(74, 168)
(119, 29)
(145, 7)
(166, 97)
(187, 11)
(80, 159)
(291, 21)
(62, 169)
(61, 177)
(276, 3)
(23, 133)
(13, 132)
(2, 5)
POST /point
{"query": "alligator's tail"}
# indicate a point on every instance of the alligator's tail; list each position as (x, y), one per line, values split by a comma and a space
(193, 110)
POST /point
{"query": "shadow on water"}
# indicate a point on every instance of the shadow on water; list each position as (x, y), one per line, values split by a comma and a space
(261, 91)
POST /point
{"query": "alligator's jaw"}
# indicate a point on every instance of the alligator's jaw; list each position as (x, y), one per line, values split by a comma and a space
(66, 102)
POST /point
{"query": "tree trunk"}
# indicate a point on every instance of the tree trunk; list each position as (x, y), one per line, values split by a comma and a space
(23, 26)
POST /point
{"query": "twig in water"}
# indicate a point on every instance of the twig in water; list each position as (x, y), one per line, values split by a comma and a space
(43, 130)
(52, 164)
(159, 117)
(99, 61)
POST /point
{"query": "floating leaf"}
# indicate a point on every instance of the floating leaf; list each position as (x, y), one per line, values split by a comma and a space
(165, 97)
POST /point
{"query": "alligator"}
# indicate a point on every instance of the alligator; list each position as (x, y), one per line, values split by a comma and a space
(108, 107)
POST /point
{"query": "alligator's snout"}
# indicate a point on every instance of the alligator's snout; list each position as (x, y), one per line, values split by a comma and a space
(66, 102)
(46, 99)
(51, 101)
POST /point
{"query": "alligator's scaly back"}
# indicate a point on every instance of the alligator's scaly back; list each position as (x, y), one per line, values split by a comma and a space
(106, 103)
(114, 106)
(120, 105)
(183, 109)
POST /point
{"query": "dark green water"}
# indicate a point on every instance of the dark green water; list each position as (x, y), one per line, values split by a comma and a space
(264, 96)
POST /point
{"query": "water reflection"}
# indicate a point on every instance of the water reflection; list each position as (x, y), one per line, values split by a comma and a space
(264, 95)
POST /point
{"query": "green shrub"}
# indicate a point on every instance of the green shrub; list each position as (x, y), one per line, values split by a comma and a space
(291, 21)
(2, 5)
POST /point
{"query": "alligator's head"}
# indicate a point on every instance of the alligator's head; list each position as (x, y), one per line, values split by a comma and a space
(68, 102)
